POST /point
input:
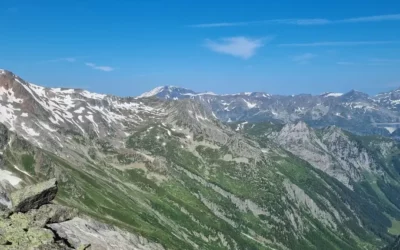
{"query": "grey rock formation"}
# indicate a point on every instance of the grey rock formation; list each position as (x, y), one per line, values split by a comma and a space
(52, 226)
(80, 232)
(52, 213)
(33, 197)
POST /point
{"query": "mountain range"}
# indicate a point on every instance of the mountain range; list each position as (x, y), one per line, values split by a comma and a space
(194, 170)
(354, 111)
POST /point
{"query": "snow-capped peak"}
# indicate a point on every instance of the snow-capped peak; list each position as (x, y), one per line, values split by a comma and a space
(152, 92)
(168, 92)
(332, 94)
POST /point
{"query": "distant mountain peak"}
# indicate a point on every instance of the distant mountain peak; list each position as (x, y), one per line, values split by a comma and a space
(355, 95)
(173, 92)
(167, 92)
(332, 94)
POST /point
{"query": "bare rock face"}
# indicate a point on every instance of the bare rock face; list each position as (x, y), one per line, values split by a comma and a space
(35, 196)
(52, 213)
(35, 224)
(83, 232)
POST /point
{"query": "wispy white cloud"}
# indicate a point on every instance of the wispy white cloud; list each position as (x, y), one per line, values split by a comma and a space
(345, 63)
(303, 58)
(315, 21)
(63, 59)
(302, 21)
(69, 59)
(240, 46)
(102, 68)
(395, 17)
(337, 43)
(372, 62)
(274, 21)
(215, 25)
(384, 60)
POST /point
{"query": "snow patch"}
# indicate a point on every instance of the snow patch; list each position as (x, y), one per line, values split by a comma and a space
(22, 171)
(90, 95)
(29, 131)
(391, 129)
(249, 104)
(152, 92)
(7, 116)
(80, 110)
(9, 96)
(241, 126)
(63, 91)
(8, 176)
(333, 94)
(46, 126)
(95, 125)
(207, 93)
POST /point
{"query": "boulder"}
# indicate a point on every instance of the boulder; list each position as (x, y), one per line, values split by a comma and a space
(32, 197)
(32, 238)
(81, 232)
(52, 213)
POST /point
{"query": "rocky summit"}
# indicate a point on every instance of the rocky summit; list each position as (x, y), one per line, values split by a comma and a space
(33, 222)
(175, 169)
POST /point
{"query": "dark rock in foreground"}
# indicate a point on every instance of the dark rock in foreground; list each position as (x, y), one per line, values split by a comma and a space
(34, 224)
(34, 196)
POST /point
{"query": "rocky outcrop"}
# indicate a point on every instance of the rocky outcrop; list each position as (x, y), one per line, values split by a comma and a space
(87, 232)
(35, 223)
(33, 197)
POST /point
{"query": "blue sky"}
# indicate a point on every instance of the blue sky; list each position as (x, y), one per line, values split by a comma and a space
(129, 47)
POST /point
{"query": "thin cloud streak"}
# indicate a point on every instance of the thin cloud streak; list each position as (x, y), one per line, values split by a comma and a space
(213, 25)
(302, 21)
(372, 62)
(241, 47)
(274, 21)
(384, 60)
(102, 68)
(337, 43)
(395, 17)
(345, 63)
(303, 58)
(64, 59)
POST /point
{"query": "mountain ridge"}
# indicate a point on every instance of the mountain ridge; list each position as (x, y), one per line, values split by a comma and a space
(173, 172)
(379, 114)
